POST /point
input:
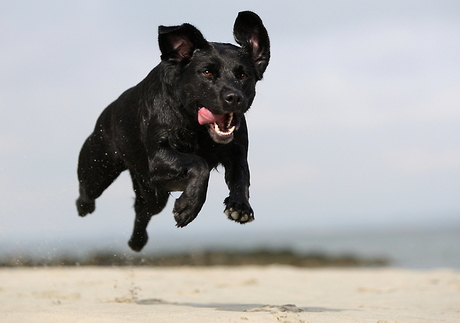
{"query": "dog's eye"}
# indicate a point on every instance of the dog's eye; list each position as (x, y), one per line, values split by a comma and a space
(243, 76)
(207, 73)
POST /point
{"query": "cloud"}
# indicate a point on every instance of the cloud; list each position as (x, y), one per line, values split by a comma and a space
(285, 175)
(420, 160)
(9, 144)
(364, 78)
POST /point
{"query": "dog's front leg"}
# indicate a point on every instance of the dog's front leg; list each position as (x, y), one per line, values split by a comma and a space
(237, 207)
(175, 171)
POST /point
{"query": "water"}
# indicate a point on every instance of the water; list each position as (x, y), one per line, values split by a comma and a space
(406, 248)
(414, 248)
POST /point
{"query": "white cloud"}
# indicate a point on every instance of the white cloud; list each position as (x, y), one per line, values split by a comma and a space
(285, 175)
(365, 78)
(420, 160)
(8, 144)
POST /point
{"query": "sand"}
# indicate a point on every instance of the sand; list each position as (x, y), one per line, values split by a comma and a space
(228, 294)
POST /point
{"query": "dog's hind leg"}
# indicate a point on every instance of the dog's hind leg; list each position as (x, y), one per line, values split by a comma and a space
(148, 203)
(97, 169)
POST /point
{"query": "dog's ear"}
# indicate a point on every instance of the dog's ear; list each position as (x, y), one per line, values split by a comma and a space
(251, 34)
(178, 43)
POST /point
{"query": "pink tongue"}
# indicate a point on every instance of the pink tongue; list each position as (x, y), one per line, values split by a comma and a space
(206, 116)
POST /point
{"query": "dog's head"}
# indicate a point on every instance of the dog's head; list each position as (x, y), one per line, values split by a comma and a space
(215, 82)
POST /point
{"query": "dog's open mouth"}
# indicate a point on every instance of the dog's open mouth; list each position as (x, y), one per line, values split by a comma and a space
(220, 126)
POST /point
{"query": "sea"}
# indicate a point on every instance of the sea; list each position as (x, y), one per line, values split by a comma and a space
(407, 247)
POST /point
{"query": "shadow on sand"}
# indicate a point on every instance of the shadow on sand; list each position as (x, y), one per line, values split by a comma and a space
(241, 307)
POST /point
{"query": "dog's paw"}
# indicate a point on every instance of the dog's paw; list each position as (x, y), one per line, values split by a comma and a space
(240, 212)
(138, 241)
(84, 207)
(183, 218)
(184, 212)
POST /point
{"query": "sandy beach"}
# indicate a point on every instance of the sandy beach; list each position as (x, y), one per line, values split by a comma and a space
(228, 294)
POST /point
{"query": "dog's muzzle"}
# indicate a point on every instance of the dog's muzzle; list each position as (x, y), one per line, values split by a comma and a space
(220, 126)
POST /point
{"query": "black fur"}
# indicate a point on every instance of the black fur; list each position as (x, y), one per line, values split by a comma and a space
(155, 131)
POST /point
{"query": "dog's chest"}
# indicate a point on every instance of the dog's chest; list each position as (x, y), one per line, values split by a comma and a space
(196, 144)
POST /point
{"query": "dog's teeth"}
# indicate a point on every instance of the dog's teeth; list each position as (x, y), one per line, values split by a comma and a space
(230, 119)
(223, 133)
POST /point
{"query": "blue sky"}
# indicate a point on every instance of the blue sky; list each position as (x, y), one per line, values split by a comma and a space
(355, 125)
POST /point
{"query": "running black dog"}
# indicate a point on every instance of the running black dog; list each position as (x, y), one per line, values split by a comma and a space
(184, 119)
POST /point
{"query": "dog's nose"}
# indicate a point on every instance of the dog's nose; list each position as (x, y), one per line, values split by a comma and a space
(233, 98)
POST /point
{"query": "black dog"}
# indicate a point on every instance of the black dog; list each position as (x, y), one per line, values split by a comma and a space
(184, 119)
